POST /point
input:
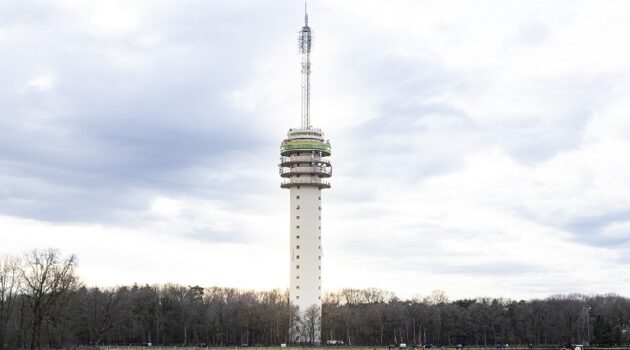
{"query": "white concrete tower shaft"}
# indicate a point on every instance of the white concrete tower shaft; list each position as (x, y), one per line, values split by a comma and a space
(305, 167)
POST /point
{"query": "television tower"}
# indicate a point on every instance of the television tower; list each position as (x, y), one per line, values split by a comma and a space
(304, 167)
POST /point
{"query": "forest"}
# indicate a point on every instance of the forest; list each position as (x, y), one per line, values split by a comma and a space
(44, 304)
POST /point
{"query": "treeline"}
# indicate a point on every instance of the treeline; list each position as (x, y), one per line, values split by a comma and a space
(366, 317)
(44, 304)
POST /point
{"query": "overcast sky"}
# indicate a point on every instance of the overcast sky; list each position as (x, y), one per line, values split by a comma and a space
(479, 148)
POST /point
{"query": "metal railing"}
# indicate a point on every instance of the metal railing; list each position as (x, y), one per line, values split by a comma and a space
(304, 159)
(305, 181)
(307, 170)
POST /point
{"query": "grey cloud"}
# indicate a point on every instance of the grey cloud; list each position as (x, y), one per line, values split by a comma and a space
(411, 137)
(589, 228)
(496, 268)
(106, 136)
(570, 106)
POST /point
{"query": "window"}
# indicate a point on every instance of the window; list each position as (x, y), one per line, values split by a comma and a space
(297, 287)
(297, 257)
(320, 198)
(297, 266)
(297, 217)
(320, 217)
(298, 226)
(298, 207)
(297, 247)
(320, 208)
(320, 227)
(298, 237)
(298, 186)
(319, 257)
(298, 297)
(320, 288)
(318, 237)
(297, 197)
(319, 267)
(318, 247)
(297, 277)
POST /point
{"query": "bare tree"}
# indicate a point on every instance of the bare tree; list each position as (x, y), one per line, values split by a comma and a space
(9, 285)
(102, 309)
(294, 321)
(311, 324)
(47, 278)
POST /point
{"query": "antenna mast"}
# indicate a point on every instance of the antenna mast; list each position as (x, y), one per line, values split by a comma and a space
(305, 49)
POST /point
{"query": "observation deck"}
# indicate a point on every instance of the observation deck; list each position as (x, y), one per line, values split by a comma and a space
(302, 159)
(311, 159)
(305, 140)
(322, 171)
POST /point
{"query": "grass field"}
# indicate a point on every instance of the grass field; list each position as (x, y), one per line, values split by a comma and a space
(326, 348)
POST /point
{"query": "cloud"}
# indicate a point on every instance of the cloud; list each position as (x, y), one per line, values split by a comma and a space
(133, 109)
(42, 82)
(120, 256)
(476, 149)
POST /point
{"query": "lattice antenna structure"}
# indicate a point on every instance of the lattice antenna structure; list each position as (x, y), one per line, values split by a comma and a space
(305, 42)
